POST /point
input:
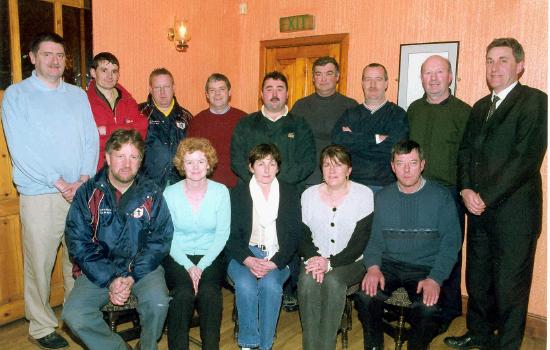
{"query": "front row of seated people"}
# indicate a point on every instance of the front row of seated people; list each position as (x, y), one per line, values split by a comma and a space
(125, 237)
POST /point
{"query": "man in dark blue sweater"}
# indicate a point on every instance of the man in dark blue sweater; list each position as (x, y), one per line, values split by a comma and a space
(370, 129)
(414, 244)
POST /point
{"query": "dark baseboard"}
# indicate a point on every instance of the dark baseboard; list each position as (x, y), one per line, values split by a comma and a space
(535, 326)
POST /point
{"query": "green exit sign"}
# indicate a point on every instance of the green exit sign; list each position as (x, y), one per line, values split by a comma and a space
(296, 23)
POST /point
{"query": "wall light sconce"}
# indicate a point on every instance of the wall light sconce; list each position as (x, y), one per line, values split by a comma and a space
(179, 34)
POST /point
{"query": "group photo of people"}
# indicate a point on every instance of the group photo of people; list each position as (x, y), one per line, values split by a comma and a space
(304, 207)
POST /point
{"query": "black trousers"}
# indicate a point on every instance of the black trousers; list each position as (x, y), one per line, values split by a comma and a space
(499, 270)
(208, 302)
(450, 299)
(421, 317)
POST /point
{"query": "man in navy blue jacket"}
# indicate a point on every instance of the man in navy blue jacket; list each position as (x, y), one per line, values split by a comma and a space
(118, 231)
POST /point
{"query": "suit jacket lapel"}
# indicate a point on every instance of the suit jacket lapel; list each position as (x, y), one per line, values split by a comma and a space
(502, 111)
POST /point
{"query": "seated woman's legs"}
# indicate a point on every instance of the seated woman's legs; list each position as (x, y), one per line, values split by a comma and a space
(210, 304)
(246, 295)
(270, 293)
(309, 296)
(333, 300)
(181, 307)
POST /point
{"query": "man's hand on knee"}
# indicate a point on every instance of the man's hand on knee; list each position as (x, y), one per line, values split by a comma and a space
(372, 279)
(430, 291)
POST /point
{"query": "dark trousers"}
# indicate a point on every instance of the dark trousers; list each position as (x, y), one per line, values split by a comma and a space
(421, 317)
(290, 287)
(499, 269)
(450, 299)
(208, 302)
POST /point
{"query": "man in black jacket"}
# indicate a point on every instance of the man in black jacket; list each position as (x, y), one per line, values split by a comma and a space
(499, 164)
(168, 124)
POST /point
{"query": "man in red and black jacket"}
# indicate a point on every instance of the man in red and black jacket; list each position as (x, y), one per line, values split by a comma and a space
(112, 105)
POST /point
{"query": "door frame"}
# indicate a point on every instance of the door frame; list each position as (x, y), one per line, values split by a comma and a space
(342, 39)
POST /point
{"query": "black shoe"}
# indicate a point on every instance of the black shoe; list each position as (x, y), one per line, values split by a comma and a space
(468, 341)
(290, 303)
(51, 341)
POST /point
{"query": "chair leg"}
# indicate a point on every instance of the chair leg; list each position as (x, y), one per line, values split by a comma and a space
(235, 317)
(113, 321)
(345, 339)
(400, 329)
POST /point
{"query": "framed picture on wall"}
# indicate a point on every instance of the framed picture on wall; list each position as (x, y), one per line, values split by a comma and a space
(410, 60)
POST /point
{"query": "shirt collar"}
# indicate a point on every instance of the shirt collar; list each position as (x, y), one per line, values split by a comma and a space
(165, 111)
(285, 112)
(222, 112)
(422, 183)
(372, 111)
(502, 95)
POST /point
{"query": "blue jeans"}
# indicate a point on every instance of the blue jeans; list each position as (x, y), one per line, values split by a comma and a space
(82, 314)
(258, 302)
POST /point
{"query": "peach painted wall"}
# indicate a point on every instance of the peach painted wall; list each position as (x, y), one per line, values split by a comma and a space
(224, 40)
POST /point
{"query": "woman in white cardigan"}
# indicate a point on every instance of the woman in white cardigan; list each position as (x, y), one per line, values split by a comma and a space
(337, 217)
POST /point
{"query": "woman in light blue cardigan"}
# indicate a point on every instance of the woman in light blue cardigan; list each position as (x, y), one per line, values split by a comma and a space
(201, 213)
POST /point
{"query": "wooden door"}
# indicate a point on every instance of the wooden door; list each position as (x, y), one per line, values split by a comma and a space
(294, 58)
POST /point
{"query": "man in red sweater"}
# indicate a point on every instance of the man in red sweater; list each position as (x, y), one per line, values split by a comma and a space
(112, 105)
(216, 123)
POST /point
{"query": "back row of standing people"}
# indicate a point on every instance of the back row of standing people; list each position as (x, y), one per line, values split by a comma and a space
(48, 168)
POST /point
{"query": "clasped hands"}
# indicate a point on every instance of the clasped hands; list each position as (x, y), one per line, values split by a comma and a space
(473, 201)
(429, 288)
(68, 190)
(195, 273)
(259, 267)
(120, 290)
(317, 266)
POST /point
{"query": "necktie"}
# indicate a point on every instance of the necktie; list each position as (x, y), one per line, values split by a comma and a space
(493, 107)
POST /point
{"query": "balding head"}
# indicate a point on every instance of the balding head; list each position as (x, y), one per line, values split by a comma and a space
(436, 76)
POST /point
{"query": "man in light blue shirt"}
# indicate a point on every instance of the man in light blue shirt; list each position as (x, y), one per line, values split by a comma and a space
(54, 146)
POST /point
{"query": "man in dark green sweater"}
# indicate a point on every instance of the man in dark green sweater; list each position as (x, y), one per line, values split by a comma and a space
(414, 243)
(322, 108)
(275, 124)
(437, 122)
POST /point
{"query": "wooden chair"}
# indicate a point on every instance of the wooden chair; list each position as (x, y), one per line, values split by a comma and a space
(346, 323)
(115, 315)
(394, 323)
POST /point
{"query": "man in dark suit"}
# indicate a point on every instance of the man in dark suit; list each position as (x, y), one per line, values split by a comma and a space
(499, 176)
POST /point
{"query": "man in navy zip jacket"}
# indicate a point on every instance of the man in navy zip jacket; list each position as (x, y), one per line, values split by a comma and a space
(118, 231)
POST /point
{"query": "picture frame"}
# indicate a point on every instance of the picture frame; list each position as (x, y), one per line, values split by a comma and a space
(411, 58)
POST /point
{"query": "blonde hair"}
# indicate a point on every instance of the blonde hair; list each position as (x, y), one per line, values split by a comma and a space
(193, 144)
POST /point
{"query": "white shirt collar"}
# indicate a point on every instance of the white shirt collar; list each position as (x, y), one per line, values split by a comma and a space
(372, 111)
(285, 112)
(502, 95)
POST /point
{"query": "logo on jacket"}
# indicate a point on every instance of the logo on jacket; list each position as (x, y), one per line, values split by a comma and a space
(180, 125)
(138, 213)
(290, 135)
